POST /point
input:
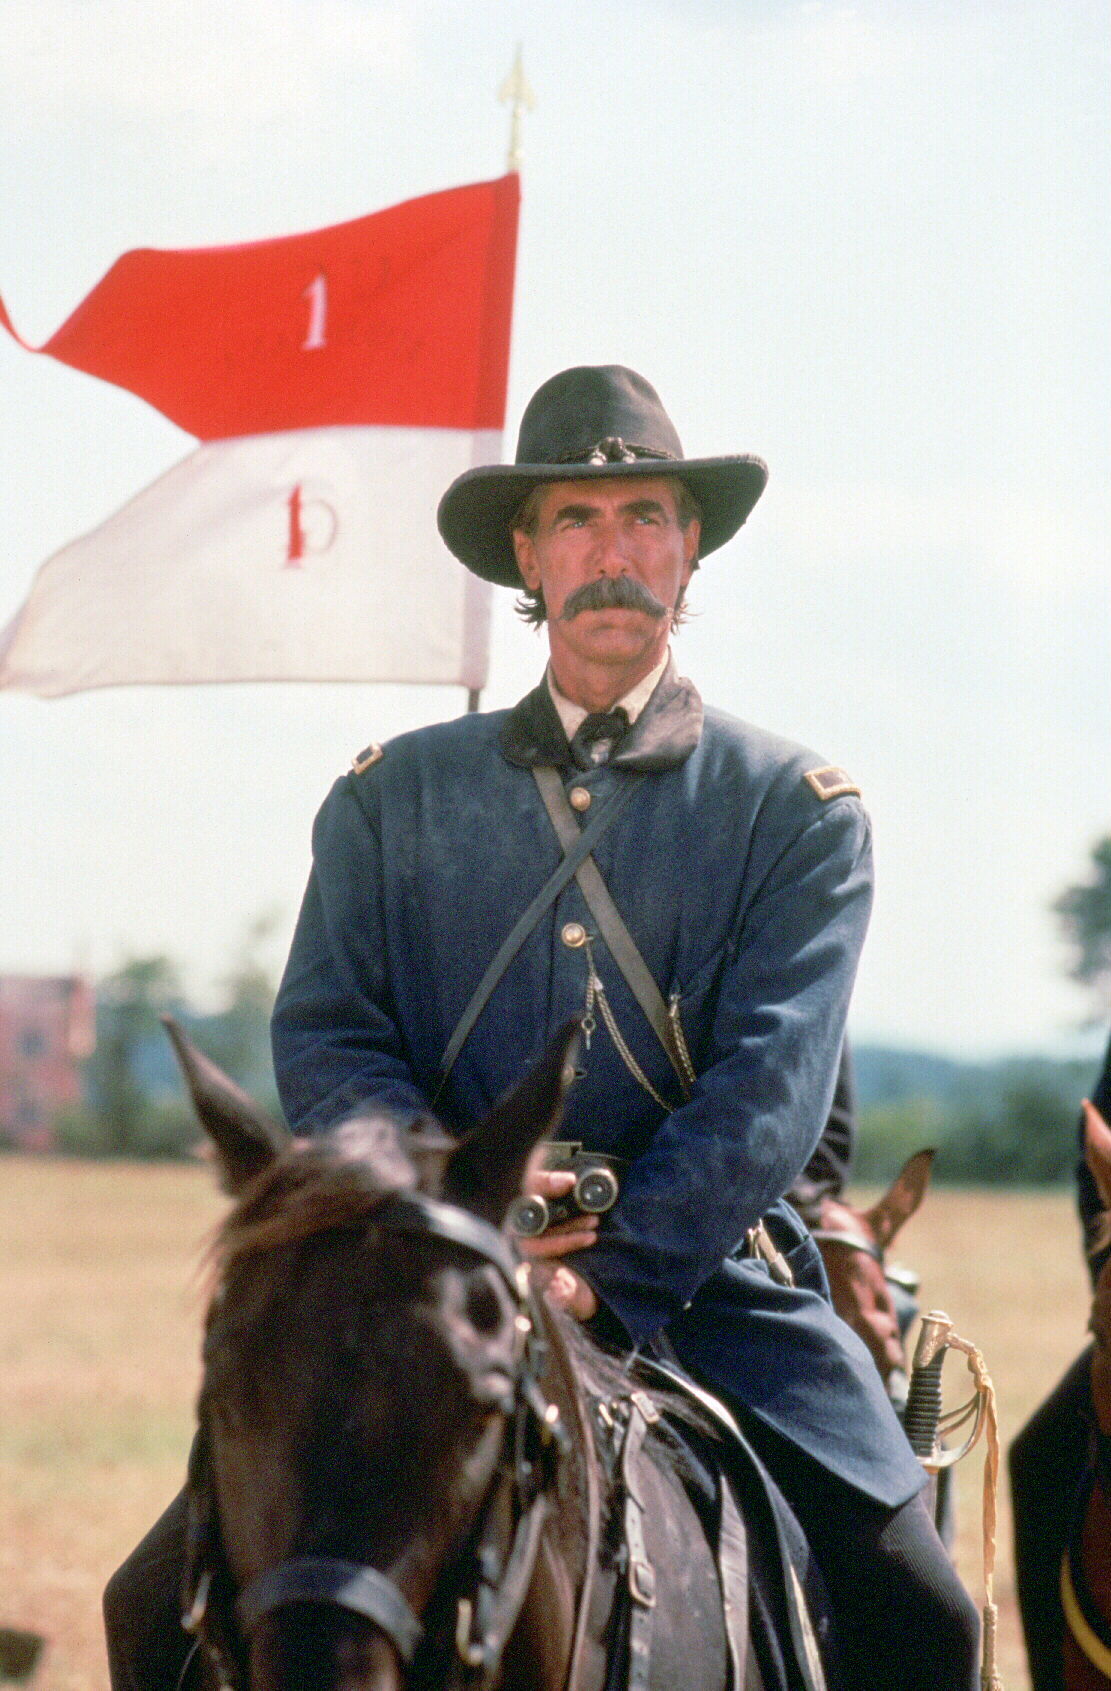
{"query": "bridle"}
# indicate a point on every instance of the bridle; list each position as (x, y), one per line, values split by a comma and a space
(852, 1241)
(901, 1280)
(490, 1583)
(1090, 1628)
(902, 1286)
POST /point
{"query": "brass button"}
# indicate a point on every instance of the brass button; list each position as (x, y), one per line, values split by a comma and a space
(574, 934)
(580, 798)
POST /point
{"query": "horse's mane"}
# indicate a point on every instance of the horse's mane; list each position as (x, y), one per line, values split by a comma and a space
(339, 1180)
(608, 1374)
(335, 1181)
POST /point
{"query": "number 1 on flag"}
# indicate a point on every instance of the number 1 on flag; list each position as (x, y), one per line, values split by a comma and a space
(317, 295)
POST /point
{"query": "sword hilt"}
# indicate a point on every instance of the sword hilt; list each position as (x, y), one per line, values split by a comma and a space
(923, 1411)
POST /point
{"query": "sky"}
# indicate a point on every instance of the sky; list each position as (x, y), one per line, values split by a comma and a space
(869, 242)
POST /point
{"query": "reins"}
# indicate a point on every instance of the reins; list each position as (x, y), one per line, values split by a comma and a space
(492, 1584)
(1089, 1627)
(593, 1500)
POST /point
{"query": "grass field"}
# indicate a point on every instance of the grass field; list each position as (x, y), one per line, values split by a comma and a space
(99, 1325)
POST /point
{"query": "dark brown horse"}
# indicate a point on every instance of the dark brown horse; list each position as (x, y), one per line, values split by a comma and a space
(409, 1471)
(1086, 1571)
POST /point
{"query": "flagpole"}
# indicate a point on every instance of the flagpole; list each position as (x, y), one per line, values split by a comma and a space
(515, 93)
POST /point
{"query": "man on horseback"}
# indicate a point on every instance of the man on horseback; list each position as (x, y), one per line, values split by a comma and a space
(697, 892)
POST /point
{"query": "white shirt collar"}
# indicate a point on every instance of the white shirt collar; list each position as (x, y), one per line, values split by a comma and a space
(572, 716)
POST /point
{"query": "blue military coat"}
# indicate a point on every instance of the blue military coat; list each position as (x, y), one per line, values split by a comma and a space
(747, 892)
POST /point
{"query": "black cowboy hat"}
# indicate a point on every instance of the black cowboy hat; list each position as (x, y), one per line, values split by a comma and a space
(591, 421)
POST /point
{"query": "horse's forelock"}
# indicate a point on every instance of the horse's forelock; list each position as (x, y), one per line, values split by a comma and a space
(336, 1180)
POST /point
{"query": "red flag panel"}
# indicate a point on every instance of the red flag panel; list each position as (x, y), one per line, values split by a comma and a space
(402, 318)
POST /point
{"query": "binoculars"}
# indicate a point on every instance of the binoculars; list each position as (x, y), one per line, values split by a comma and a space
(594, 1192)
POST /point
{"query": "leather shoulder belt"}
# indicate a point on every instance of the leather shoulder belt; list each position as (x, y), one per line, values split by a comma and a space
(577, 862)
(583, 845)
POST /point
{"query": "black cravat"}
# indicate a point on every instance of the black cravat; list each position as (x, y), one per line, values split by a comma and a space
(596, 736)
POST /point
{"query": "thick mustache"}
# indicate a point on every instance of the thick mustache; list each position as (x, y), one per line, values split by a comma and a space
(612, 592)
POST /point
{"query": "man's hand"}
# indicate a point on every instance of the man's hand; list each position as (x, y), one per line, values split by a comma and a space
(566, 1289)
(560, 1284)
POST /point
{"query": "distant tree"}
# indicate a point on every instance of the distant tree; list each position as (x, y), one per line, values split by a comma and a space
(1084, 911)
(890, 1132)
(1026, 1138)
(1010, 1123)
(238, 1035)
(129, 1110)
(135, 1105)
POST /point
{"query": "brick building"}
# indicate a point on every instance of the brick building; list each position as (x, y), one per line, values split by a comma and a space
(47, 1026)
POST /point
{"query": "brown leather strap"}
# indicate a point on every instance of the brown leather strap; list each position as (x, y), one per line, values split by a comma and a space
(733, 1574)
(623, 948)
(640, 1574)
(589, 1490)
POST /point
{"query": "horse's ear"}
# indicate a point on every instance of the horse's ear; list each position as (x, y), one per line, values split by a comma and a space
(243, 1136)
(902, 1197)
(485, 1172)
(1097, 1150)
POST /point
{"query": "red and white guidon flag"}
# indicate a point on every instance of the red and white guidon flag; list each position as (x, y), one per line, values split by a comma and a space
(337, 382)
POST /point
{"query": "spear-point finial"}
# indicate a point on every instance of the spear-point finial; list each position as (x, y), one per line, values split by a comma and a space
(516, 92)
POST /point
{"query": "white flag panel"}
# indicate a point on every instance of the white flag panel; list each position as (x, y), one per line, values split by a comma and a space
(311, 555)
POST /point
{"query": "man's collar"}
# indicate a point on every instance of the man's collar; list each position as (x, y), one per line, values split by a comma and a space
(666, 731)
(632, 703)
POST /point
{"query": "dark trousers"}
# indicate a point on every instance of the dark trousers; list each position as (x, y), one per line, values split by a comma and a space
(147, 1645)
(904, 1620)
(1046, 1462)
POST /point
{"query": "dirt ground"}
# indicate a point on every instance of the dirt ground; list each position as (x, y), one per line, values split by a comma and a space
(99, 1333)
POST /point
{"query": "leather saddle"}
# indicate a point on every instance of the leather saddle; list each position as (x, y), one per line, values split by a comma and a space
(790, 1623)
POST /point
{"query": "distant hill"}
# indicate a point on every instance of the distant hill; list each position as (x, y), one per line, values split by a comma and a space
(887, 1074)
(1012, 1121)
